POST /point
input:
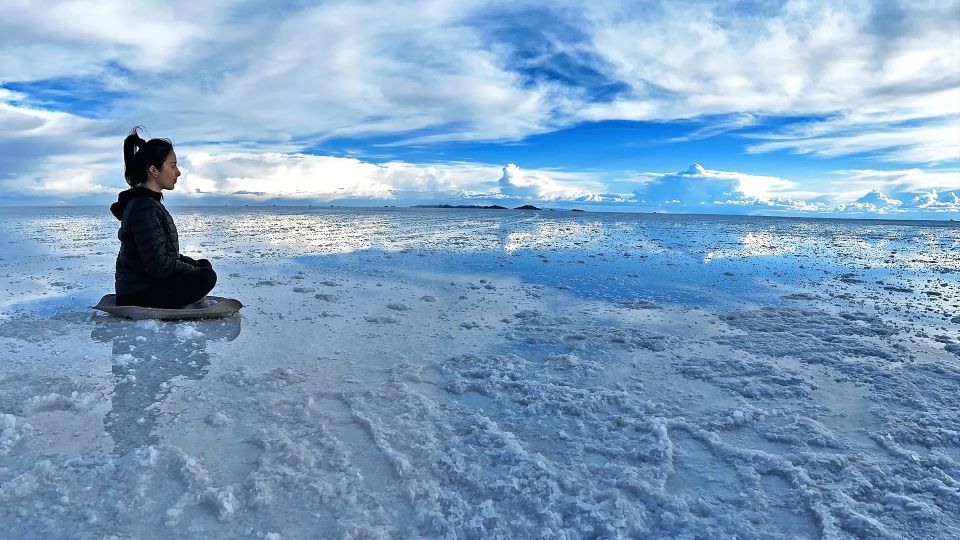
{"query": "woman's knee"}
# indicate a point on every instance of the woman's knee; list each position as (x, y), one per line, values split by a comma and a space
(200, 278)
(209, 276)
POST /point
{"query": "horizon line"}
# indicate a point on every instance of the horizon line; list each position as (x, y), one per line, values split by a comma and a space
(544, 209)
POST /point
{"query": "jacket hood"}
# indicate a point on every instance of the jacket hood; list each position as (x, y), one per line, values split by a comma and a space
(126, 196)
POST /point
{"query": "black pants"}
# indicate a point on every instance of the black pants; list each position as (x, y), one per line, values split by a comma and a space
(173, 293)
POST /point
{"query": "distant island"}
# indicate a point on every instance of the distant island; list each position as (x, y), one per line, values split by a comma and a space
(475, 206)
(462, 206)
(480, 207)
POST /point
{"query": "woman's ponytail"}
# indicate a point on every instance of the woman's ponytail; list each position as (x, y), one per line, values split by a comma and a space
(138, 155)
(135, 172)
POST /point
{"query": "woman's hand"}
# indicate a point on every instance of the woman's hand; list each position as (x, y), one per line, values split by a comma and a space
(202, 263)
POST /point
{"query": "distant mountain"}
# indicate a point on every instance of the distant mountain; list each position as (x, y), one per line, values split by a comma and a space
(527, 207)
(462, 206)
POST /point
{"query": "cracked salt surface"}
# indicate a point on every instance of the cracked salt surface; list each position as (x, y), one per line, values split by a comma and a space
(487, 374)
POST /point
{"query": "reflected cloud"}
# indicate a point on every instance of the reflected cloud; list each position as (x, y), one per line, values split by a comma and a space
(753, 244)
(555, 234)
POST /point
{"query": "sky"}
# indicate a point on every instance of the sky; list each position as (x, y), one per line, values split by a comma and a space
(822, 108)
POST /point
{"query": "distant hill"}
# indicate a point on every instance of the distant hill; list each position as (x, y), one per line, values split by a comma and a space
(476, 206)
(462, 206)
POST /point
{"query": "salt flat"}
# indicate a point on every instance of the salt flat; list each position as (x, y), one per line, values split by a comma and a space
(458, 373)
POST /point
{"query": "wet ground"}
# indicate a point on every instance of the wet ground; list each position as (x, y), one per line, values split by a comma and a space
(487, 373)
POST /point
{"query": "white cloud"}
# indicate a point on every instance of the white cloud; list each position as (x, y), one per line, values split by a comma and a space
(697, 186)
(224, 173)
(717, 127)
(78, 38)
(324, 178)
(933, 142)
(882, 192)
(901, 180)
(544, 186)
(895, 191)
(889, 82)
(874, 202)
(877, 202)
(350, 69)
(275, 175)
(227, 71)
(48, 152)
(933, 200)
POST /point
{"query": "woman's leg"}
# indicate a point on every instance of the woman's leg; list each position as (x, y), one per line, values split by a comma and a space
(174, 293)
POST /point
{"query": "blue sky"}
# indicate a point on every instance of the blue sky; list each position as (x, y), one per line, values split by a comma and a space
(794, 107)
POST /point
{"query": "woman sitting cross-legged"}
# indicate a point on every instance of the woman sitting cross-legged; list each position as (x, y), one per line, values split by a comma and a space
(151, 272)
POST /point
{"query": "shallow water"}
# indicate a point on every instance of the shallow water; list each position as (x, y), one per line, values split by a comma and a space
(469, 373)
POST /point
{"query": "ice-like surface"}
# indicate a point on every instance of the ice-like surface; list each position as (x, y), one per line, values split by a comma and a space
(484, 374)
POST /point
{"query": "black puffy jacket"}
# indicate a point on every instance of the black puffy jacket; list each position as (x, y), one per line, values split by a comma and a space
(149, 245)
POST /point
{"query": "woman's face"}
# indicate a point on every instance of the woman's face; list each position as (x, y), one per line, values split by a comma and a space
(166, 177)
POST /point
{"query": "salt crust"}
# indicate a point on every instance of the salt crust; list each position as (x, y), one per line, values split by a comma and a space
(550, 416)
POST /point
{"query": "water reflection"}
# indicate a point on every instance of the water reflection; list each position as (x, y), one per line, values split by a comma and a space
(239, 234)
(753, 244)
(550, 233)
(147, 355)
(666, 257)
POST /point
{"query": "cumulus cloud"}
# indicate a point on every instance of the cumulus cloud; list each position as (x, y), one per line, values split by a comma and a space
(539, 185)
(701, 189)
(323, 178)
(948, 201)
(898, 191)
(874, 202)
(257, 176)
(877, 202)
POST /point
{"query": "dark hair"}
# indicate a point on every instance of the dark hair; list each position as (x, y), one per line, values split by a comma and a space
(138, 155)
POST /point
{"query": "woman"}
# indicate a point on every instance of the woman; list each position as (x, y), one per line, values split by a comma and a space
(151, 272)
